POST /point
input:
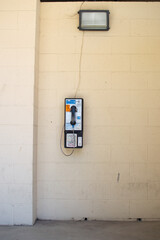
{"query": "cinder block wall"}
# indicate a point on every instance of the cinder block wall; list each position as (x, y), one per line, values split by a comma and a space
(116, 174)
(17, 107)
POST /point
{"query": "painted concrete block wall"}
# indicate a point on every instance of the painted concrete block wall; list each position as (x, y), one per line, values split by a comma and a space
(116, 174)
(17, 105)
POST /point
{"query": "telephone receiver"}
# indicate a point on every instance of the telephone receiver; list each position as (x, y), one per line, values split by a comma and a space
(73, 115)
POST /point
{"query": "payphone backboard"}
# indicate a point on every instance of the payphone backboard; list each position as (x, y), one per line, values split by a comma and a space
(73, 126)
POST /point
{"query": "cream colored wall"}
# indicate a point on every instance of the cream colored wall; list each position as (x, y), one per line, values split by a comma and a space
(17, 107)
(35, 117)
(120, 84)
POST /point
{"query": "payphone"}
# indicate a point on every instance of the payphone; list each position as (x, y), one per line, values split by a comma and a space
(73, 123)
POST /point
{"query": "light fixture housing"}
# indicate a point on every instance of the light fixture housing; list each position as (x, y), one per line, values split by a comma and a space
(94, 20)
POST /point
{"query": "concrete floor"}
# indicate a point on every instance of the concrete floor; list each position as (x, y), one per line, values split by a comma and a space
(93, 230)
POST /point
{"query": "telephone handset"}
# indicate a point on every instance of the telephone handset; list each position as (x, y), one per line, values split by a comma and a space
(73, 123)
(73, 115)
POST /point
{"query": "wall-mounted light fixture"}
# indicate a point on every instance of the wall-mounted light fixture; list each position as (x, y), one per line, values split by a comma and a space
(94, 20)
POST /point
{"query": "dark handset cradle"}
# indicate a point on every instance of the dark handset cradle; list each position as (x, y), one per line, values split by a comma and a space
(73, 115)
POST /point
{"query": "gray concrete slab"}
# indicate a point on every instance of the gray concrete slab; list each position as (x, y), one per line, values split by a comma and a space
(83, 230)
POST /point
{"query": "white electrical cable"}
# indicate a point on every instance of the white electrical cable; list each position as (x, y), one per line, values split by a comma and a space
(78, 84)
(80, 64)
(78, 9)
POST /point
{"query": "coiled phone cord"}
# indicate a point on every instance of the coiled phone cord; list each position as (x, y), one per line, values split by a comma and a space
(67, 155)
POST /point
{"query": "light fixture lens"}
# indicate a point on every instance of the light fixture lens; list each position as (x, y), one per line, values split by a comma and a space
(94, 20)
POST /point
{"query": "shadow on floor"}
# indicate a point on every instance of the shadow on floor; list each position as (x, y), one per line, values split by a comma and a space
(83, 230)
